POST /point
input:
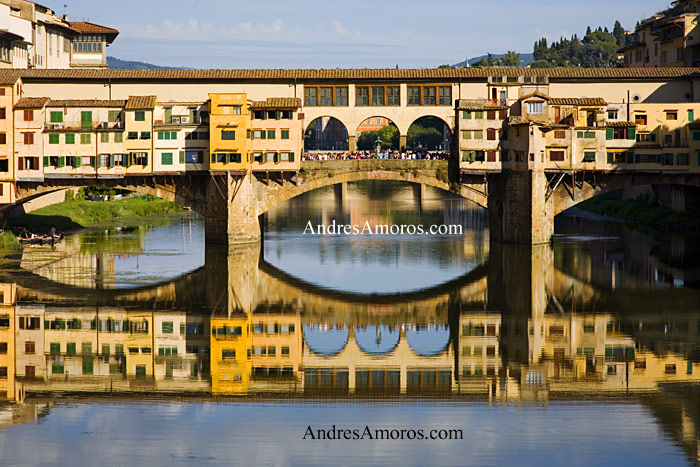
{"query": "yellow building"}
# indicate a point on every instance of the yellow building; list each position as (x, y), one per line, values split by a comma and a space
(277, 134)
(9, 91)
(229, 121)
(231, 361)
(29, 118)
(7, 341)
(138, 140)
(667, 40)
(83, 137)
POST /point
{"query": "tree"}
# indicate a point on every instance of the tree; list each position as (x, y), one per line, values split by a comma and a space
(444, 67)
(511, 59)
(388, 135)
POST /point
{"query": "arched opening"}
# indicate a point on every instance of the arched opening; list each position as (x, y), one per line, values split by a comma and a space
(429, 134)
(376, 134)
(326, 134)
(377, 340)
(326, 341)
(428, 341)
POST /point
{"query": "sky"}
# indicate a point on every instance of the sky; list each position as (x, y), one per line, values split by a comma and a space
(352, 34)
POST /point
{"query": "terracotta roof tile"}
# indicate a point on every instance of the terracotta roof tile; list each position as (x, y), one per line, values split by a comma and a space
(85, 27)
(597, 101)
(360, 74)
(478, 104)
(278, 102)
(9, 77)
(31, 103)
(141, 102)
(86, 103)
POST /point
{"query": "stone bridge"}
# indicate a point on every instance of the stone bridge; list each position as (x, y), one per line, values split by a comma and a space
(521, 204)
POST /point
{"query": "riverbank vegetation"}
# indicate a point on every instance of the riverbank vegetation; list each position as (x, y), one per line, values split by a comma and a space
(77, 213)
(643, 210)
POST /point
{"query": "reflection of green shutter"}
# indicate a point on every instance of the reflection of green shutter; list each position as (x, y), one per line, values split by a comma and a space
(636, 158)
(611, 157)
(182, 157)
(61, 161)
(630, 158)
(87, 365)
(291, 157)
(608, 352)
(609, 133)
(629, 353)
(93, 161)
(631, 133)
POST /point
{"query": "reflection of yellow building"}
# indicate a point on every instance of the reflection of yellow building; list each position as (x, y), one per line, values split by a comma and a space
(7, 341)
(139, 345)
(276, 351)
(231, 361)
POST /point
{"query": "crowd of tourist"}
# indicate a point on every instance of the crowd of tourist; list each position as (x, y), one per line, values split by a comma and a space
(390, 154)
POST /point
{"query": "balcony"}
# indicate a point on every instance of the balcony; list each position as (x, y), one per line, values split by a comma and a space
(83, 126)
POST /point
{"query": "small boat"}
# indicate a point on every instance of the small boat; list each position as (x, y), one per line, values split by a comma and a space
(29, 238)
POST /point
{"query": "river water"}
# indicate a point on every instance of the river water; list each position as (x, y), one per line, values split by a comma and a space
(140, 344)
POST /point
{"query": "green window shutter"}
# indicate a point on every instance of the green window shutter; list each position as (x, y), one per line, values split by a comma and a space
(46, 161)
(611, 157)
(140, 116)
(87, 365)
(57, 117)
(579, 134)
(213, 158)
(78, 324)
(631, 133)
(55, 347)
(167, 327)
(193, 115)
(76, 162)
(173, 135)
(691, 115)
(168, 115)
(636, 158)
(630, 158)
(661, 158)
(609, 132)
(284, 134)
(270, 134)
(62, 161)
(291, 157)
(160, 135)
(93, 161)
(608, 352)
(70, 348)
(86, 348)
(70, 138)
(182, 157)
(167, 158)
(696, 136)
(85, 119)
(53, 138)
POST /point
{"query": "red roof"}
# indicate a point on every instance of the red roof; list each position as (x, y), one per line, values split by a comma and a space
(83, 27)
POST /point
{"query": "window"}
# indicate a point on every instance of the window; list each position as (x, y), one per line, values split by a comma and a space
(114, 116)
(118, 137)
(310, 96)
(361, 95)
(133, 135)
(287, 157)
(145, 135)
(284, 134)
(28, 138)
(671, 115)
(429, 95)
(228, 135)
(585, 134)
(445, 95)
(536, 107)
(490, 115)
(139, 158)
(341, 97)
(588, 156)
(670, 369)
(167, 135)
(70, 138)
(691, 115)
(56, 117)
(640, 119)
(228, 353)
(70, 348)
(612, 114)
(682, 159)
(326, 96)
(140, 116)
(3, 348)
(647, 137)
(28, 115)
(377, 95)
(166, 159)
(270, 134)
(559, 134)
(491, 134)
(557, 156)
(53, 138)
(414, 95)
(85, 138)
(393, 95)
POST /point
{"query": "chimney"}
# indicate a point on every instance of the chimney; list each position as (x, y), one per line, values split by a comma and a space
(65, 17)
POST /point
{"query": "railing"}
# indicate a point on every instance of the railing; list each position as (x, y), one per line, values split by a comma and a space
(181, 120)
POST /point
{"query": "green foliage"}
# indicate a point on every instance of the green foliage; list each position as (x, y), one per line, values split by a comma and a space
(8, 241)
(72, 215)
(597, 49)
(388, 135)
(511, 59)
(444, 67)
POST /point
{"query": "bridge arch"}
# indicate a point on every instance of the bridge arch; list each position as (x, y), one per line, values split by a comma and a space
(428, 341)
(326, 342)
(377, 340)
(424, 131)
(436, 179)
(326, 133)
(572, 189)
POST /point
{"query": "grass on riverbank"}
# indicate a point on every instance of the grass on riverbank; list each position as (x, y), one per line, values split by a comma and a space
(642, 210)
(8, 241)
(73, 215)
